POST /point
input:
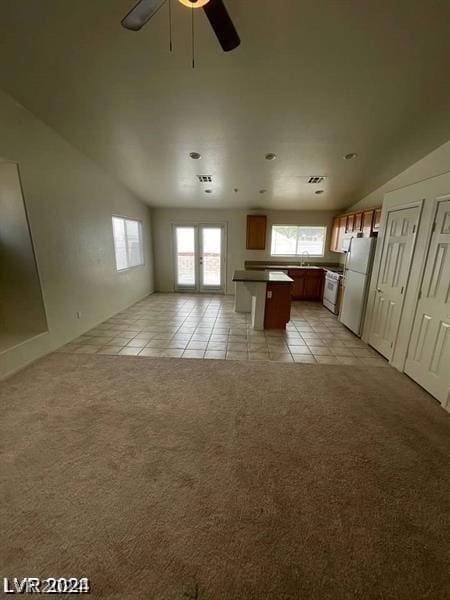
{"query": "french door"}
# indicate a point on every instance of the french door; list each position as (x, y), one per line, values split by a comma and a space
(393, 275)
(199, 251)
(428, 360)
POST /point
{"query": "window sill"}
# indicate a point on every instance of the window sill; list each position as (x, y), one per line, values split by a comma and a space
(129, 268)
(297, 256)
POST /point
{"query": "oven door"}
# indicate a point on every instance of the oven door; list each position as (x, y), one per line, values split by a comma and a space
(330, 293)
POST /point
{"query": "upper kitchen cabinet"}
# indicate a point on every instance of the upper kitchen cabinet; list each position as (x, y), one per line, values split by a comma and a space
(256, 232)
(337, 233)
(376, 220)
(357, 222)
(334, 240)
(365, 223)
(349, 223)
(342, 229)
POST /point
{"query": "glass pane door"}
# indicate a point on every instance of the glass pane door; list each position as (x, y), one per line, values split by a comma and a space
(199, 257)
(186, 257)
(211, 242)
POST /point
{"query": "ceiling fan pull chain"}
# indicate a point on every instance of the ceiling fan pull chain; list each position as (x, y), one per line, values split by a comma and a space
(170, 26)
(193, 37)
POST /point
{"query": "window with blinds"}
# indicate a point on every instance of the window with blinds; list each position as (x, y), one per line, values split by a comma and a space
(128, 243)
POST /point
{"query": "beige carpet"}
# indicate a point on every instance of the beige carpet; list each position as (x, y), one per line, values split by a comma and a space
(218, 480)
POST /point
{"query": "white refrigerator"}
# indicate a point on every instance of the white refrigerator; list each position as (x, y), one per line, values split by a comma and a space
(358, 267)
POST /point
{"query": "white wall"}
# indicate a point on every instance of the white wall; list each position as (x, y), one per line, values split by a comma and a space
(163, 218)
(70, 202)
(433, 164)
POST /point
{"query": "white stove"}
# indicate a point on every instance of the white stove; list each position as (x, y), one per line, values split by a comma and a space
(331, 290)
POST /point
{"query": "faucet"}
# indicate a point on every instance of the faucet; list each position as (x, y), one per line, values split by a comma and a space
(302, 259)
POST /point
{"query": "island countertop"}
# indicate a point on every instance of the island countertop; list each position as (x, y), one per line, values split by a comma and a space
(262, 276)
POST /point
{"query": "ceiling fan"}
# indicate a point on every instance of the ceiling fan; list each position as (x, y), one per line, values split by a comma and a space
(215, 11)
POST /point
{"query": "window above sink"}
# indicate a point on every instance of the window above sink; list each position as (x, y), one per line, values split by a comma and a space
(298, 240)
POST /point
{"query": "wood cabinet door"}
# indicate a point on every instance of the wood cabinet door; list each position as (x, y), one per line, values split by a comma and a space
(376, 220)
(342, 228)
(312, 289)
(278, 306)
(357, 222)
(297, 289)
(334, 235)
(349, 226)
(256, 232)
(367, 219)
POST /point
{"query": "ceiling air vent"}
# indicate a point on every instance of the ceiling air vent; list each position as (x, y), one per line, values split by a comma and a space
(315, 179)
(205, 178)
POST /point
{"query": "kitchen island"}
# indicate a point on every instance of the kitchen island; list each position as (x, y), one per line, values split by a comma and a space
(264, 294)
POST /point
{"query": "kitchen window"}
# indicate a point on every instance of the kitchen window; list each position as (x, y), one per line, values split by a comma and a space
(298, 240)
(128, 245)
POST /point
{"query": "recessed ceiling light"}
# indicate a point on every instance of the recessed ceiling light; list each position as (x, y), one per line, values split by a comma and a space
(195, 155)
(350, 156)
(208, 191)
(270, 156)
(262, 191)
(318, 192)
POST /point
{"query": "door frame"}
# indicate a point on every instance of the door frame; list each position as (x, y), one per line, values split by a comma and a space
(199, 288)
(368, 325)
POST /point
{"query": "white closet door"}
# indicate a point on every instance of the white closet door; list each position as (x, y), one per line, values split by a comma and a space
(428, 360)
(398, 248)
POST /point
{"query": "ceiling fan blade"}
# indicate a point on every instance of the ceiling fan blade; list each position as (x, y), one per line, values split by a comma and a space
(222, 24)
(142, 12)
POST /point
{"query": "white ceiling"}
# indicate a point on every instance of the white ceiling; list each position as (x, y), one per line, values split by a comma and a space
(311, 81)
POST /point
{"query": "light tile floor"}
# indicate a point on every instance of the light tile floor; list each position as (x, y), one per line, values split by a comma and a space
(198, 326)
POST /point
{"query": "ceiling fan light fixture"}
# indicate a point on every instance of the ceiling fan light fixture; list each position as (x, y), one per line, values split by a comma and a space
(142, 12)
(194, 3)
(215, 11)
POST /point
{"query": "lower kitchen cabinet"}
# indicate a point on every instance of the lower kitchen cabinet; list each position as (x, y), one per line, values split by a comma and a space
(298, 285)
(308, 284)
(278, 306)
